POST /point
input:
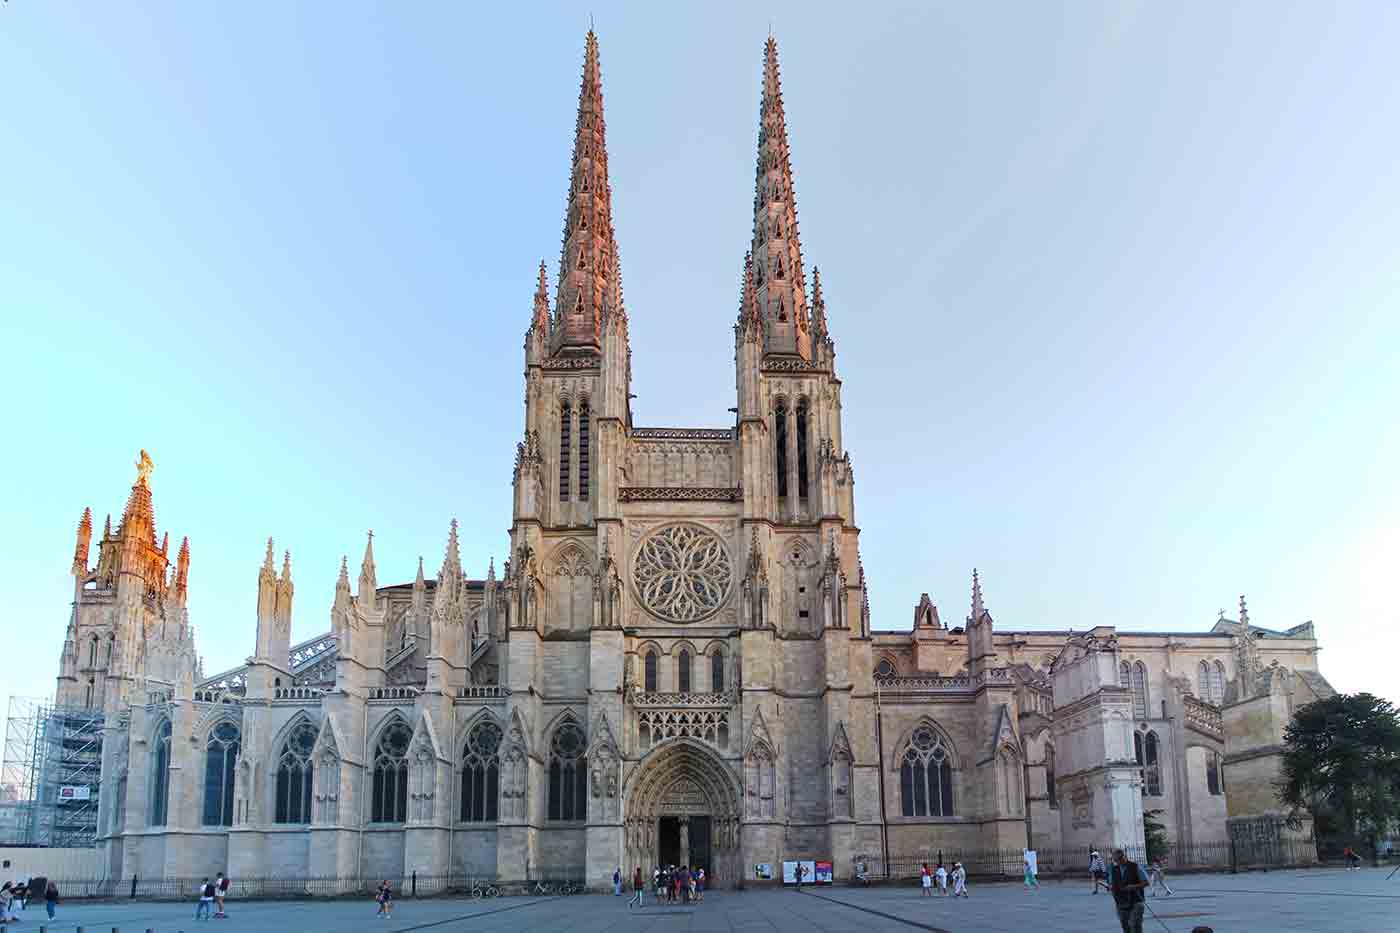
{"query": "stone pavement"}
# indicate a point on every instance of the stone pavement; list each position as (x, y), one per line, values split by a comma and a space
(1330, 900)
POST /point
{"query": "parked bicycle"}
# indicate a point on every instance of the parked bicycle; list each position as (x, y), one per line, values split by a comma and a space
(544, 889)
(485, 890)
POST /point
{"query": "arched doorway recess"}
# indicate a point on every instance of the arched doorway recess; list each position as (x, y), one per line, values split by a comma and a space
(681, 806)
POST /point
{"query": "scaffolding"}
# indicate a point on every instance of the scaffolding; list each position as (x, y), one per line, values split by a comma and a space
(51, 774)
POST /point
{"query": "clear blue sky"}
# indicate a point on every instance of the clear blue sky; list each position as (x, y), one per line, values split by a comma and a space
(1114, 289)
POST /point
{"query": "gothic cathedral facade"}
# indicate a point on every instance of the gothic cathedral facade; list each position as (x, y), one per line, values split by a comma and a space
(676, 664)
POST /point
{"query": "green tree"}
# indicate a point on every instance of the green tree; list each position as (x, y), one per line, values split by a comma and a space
(1154, 835)
(1344, 752)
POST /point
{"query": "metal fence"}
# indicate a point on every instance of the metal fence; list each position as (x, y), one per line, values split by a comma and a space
(406, 886)
(990, 863)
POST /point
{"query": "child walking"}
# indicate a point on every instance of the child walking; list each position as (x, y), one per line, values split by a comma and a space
(386, 900)
(926, 881)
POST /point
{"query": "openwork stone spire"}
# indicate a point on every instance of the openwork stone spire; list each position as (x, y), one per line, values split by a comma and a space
(777, 253)
(590, 291)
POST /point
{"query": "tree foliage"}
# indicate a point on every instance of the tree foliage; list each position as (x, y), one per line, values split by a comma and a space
(1154, 835)
(1344, 752)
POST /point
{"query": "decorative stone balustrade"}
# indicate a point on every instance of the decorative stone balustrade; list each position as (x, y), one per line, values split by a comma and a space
(483, 692)
(215, 695)
(646, 700)
(919, 685)
(1204, 717)
(394, 694)
(298, 693)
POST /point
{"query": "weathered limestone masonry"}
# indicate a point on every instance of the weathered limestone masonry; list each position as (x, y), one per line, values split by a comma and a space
(676, 663)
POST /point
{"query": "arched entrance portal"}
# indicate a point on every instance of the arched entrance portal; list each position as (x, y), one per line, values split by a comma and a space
(681, 807)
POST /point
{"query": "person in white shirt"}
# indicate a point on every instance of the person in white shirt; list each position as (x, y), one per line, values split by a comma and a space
(942, 874)
(959, 880)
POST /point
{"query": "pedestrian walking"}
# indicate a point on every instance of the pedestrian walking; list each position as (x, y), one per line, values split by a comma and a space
(7, 903)
(1029, 859)
(657, 882)
(1158, 876)
(206, 900)
(692, 878)
(942, 874)
(675, 884)
(1097, 872)
(700, 884)
(638, 888)
(617, 881)
(1127, 882)
(925, 881)
(959, 880)
(50, 897)
(386, 900)
(220, 892)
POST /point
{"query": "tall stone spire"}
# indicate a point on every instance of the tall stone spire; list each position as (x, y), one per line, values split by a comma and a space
(84, 542)
(139, 517)
(777, 252)
(590, 290)
(977, 608)
(368, 580)
(820, 334)
(182, 570)
(539, 320)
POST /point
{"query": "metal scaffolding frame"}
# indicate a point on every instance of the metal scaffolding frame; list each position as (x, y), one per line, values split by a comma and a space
(53, 762)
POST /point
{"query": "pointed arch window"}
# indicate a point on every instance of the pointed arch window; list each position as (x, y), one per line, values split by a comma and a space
(802, 449)
(1213, 782)
(566, 423)
(926, 775)
(780, 447)
(294, 776)
(219, 756)
(389, 803)
(1152, 767)
(1050, 776)
(717, 671)
(649, 672)
(885, 668)
(1203, 681)
(160, 776)
(568, 774)
(1139, 682)
(92, 652)
(683, 672)
(1009, 781)
(90, 687)
(1217, 683)
(481, 770)
(583, 486)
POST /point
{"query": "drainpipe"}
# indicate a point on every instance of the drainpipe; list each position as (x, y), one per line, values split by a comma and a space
(880, 770)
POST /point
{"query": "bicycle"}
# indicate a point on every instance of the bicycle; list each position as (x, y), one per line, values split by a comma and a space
(544, 889)
(480, 891)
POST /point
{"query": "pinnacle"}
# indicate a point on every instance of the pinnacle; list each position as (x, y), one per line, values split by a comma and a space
(977, 608)
(344, 580)
(85, 523)
(267, 558)
(286, 566)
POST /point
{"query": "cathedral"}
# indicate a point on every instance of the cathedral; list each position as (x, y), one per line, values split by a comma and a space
(676, 663)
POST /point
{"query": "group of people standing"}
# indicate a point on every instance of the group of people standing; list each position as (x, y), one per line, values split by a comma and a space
(941, 875)
(16, 895)
(672, 884)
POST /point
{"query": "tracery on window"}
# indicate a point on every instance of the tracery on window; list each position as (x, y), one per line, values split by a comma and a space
(389, 803)
(926, 775)
(568, 773)
(220, 754)
(885, 668)
(481, 769)
(294, 775)
(566, 419)
(160, 776)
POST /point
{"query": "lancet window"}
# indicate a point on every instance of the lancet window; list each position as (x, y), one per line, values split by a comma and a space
(649, 672)
(1152, 767)
(802, 449)
(481, 770)
(583, 486)
(1213, 782)
(683, 672)
(1050, 776)
(1134, 677)
(717, 671)
(219, 757)
(294, 776)
(926, 775)
(1210, 682)
(780, 447)
(568, 774)
(566, 425)
(389, 803)
(160, 776)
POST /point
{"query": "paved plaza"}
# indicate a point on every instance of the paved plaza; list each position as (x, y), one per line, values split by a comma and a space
(1328, 900)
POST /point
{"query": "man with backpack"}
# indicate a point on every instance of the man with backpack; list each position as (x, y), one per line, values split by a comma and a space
(1127, 882)
(220, 892)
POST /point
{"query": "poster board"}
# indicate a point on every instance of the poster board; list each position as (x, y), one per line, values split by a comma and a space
(822, 874)
(789, 873)
(763, 871)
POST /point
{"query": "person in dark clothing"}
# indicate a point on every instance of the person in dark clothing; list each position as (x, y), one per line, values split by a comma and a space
(50, 898)
(1127, 882)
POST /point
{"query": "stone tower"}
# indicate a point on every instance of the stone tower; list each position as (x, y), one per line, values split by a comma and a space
(129, 623)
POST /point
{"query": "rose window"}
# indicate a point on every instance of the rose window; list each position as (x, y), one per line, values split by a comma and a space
(682, 573)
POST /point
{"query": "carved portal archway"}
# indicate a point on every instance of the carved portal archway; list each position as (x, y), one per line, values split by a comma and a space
(681, 779)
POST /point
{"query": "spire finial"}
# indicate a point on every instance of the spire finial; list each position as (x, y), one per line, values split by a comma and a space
(344, 580)
(1244, 612)
(267, 557)
(144, 466)
(977, 607)
(287, 566)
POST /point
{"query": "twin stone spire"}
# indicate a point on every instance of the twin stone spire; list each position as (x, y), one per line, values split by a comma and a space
(588, 303)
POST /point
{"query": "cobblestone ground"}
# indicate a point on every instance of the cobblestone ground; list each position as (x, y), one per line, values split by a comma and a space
(1334, 901)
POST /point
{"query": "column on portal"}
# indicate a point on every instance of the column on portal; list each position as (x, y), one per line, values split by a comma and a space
(685, 839)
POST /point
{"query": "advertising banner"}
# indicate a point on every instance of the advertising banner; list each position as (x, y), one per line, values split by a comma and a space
(789, 873)
(75, 792)
(823, 873)
(763, 871)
